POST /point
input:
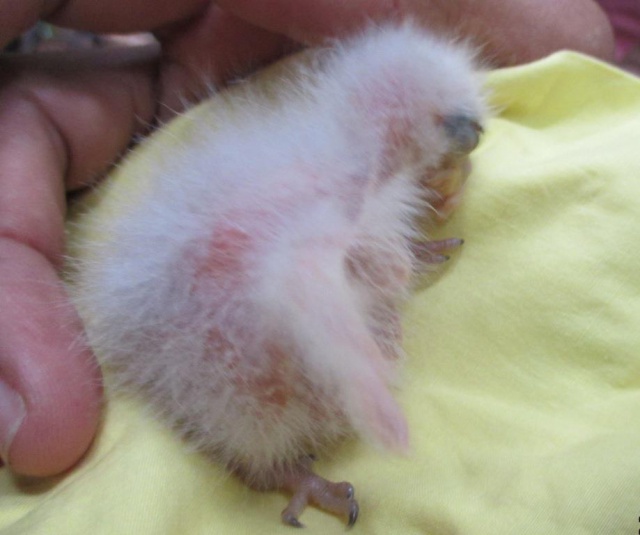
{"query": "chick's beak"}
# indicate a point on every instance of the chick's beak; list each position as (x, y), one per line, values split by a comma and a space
(464, 132)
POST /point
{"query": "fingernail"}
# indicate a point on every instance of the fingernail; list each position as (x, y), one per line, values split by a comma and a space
(12, 412)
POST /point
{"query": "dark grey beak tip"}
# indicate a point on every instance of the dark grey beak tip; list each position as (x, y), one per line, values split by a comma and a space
(463, 131)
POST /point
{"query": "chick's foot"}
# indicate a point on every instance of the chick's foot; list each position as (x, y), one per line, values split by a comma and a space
(309, 488)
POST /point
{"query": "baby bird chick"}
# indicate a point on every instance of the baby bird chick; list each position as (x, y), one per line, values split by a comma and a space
(252, 295)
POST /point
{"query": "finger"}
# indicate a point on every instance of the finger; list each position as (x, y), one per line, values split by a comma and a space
(312, 21)
(46, 367)
(203, 46)
(115, 16)
(508, 32)
(81, 109)
(51, 128)
(18, 16)
(210, 50)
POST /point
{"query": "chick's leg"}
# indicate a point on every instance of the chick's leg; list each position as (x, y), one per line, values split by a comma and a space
(309, 488)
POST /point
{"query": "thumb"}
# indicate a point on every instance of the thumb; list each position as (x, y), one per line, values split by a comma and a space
(50, 387)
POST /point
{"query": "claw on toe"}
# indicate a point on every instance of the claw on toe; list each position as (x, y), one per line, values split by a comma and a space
(430, 252)
(353, 514)
(291, 520)
(309, 488)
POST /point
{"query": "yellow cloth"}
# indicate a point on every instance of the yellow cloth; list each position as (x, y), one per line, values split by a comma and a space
(522, 387)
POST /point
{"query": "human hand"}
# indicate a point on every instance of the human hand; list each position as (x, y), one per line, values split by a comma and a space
(65, 119)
